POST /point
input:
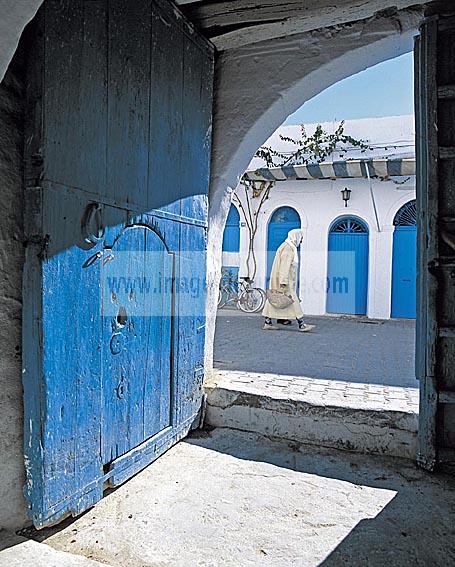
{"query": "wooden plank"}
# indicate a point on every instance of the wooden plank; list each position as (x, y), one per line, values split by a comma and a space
(76, 93)
(427, 207)
(71, 301)
(445, 431)
(122, 344)
(234, 23)
(128, 101)
(159, 336)
(422, 263)
(165, 173)
(196, 132)
(191, 321)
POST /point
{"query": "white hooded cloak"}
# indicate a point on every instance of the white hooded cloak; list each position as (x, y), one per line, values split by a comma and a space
(285, 271)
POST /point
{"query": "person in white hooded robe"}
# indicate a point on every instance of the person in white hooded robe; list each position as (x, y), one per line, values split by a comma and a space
(284, 278)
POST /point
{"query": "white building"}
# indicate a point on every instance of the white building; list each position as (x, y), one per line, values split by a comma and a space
(355, 259)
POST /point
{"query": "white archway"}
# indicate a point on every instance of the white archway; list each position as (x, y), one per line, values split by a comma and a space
(259, 85)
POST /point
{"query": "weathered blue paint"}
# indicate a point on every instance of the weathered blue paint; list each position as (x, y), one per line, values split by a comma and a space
(117, 169)
(137, 314)
(347, 272)
(231, 235)
(283, 220)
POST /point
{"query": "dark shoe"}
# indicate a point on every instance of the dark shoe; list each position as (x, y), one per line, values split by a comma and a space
(268, 325)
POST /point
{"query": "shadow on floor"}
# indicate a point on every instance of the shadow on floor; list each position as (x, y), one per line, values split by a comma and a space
(417, 526)
(8, 539)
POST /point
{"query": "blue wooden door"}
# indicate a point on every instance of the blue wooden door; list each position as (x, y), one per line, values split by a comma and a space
(347, 272)
(136, 355)
(283, 220)
(119, 105)
(231, 235)
(404, 258)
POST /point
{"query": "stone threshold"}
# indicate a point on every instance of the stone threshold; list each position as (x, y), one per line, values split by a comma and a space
(364, 418)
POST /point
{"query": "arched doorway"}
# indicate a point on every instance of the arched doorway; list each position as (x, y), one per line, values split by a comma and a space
(231, 248)
(282, 221)
(231, 236)
(404, 269)
(347, 273)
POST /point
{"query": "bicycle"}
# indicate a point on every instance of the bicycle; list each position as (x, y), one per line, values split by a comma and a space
(247, 298)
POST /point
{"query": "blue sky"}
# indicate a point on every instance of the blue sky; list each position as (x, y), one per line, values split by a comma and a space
(383, 90)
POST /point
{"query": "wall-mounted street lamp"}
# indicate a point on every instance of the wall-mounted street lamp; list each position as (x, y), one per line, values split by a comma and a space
(346, 195)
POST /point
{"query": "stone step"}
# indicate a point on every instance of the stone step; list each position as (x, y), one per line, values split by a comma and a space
(363, 418)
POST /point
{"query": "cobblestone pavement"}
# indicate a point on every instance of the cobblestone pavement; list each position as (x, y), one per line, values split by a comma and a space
(343, 350)
(313, 391)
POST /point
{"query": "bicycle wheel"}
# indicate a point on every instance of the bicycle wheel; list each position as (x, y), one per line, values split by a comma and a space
(251, 300)
(223, 297)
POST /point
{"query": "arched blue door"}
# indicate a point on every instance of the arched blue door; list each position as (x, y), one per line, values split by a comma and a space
(231, 236)
(347, 273)
(283, 220)
(231, 243)
(404, 272)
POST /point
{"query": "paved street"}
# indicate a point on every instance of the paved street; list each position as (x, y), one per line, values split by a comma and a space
(352, 350)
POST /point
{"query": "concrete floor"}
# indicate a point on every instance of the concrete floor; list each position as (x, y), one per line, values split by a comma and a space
(344, 349)
(234, 499)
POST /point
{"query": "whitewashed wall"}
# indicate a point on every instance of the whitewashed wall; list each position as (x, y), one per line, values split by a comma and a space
(319, 203)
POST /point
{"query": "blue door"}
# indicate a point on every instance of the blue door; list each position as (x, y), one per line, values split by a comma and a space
(404, 272)
(231, 244)
(231, 235)
(283, 220)
(347, 273)
(119, 109)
